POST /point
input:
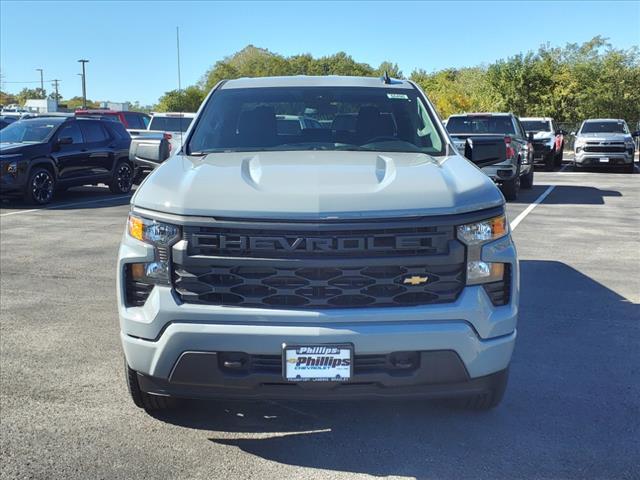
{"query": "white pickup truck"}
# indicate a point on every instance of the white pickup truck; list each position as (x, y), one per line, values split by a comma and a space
(163, 135)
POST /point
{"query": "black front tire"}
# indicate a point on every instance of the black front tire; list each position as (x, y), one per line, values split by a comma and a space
(630, 168)
(559, 156)
(122, 178)
(40, 186)
(527, 180)
(549, 162)
(142, 399)
(511, 188)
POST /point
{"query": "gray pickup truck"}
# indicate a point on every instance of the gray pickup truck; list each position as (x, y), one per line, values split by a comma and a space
(504, 131)
(604, 142)
(344, 260)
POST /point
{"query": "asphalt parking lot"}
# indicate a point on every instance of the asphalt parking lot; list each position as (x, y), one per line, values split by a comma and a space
(572, 408)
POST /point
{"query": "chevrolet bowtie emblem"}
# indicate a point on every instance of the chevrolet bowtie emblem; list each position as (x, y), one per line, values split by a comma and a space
(415, 280)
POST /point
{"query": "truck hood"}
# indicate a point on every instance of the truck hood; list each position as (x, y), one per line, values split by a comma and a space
(316, 185)
(543, 135)
(605, 137)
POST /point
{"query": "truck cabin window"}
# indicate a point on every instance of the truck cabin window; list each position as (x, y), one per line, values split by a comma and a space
(316, 118)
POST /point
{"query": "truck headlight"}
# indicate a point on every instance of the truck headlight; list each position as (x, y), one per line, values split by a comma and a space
(579, 143)
(484, 231)
(474, 236)
(162, 236)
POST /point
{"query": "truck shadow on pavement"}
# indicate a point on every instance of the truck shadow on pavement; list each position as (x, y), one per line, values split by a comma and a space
(570, 409)
(567, 195)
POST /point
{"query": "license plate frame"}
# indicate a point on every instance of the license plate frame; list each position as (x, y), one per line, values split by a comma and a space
(299, 349)
(603, 159)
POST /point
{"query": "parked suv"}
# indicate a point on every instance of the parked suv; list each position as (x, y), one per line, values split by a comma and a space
(41, 155)
(500, 129)
(321, 263)
(548, 141)
(604, 142)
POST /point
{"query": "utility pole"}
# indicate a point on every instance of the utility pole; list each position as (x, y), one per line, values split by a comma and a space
(84, 85)
(55, 86)
(41, 80)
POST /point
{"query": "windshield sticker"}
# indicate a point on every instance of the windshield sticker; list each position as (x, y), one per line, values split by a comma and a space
(398, 96)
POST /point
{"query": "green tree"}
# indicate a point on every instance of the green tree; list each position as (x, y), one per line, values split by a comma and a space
(391, 68)
(30, 94)
(187, 100)
(76, 102)
(7, 98)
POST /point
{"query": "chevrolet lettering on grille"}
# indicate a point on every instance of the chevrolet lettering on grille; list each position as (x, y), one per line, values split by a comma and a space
(314, 244)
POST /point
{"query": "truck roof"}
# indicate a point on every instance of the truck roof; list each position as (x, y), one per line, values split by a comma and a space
(174, 114)
(316, 81)
(481, 114)
(537, 119)
(604, 120)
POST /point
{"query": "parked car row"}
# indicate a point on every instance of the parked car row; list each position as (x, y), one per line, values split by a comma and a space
(518, 144)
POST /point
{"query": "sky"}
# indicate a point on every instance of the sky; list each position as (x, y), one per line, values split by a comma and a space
(131, 46)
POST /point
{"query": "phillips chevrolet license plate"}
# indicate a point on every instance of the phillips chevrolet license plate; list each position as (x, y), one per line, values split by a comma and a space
(604, 159)
(317, 363)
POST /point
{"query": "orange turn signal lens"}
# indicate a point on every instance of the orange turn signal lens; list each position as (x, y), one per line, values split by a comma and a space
(137, 271)
(499, 227)
(136, 227)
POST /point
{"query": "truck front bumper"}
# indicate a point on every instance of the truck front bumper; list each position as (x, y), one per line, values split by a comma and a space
(594, 159)
(179, 349)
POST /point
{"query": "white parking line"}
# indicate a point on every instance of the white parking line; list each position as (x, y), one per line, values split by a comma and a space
(527, 211)
(536, 202)
(53, 207)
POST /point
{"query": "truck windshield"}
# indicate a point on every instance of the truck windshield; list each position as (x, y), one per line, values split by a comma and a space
(476, 124)
(30, 131)
(536, 126)
(316, 118)
(170, 124)
(604, 127)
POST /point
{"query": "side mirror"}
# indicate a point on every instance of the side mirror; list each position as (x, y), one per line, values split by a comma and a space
(65, 141)
(484, 154)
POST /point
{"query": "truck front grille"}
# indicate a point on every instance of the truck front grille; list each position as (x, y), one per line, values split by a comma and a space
(292, 265)
(611, 148)
(317, 286)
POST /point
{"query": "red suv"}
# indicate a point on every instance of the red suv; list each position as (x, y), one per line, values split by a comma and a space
(131, 120)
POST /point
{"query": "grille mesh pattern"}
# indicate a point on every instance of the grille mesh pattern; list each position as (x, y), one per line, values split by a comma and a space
(318, 286)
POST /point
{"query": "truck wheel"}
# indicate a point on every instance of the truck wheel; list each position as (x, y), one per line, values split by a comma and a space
(549, 162)
(511, 188)
(490, 399)
(559, 156)
(122, 178)
(142, 399)
(40, 186)
(629, 168)
(527, 180)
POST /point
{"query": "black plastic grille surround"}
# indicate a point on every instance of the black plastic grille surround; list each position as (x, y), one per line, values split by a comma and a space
(323, 265)
(500, 292)
(136, 293)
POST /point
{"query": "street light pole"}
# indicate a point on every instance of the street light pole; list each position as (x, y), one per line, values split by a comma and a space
(41, 80)
(84, 86)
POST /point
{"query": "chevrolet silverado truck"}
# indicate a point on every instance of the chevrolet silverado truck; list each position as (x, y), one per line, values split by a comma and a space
(604, 142)
(343, 262)
(500, 129)
(548, 141)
